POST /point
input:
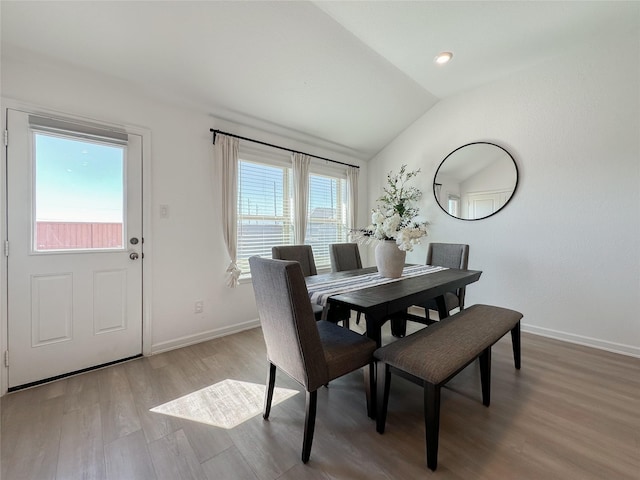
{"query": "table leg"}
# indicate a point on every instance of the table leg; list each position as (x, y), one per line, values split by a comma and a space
(374, 330)
(443, 312)
(399, 324)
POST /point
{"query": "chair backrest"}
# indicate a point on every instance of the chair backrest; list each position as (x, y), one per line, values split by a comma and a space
(344, 256)
(450, 255)
(303, 254)
(287, 320)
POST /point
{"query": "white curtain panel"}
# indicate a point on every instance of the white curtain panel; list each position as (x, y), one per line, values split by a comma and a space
(226, 153)
(300, 163)
(352, 188)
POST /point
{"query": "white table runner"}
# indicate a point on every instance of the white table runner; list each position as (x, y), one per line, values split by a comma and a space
(320, 292)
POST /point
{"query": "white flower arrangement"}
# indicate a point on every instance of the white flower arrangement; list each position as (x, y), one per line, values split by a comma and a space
(393, 218)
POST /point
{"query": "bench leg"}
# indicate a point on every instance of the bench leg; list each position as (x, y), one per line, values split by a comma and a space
(384, 384)
(432, 422)
(515, 341)
(309, 424)
(485, 376)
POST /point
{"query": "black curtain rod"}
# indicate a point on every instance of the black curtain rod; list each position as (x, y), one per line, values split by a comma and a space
(215, 132)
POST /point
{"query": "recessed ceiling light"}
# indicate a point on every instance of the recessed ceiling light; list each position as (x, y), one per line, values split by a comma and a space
(443, 58)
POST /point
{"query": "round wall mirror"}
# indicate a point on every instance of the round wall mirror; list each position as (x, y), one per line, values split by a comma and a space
(475, 181)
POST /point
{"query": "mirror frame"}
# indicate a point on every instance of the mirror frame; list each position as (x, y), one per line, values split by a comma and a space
(515, 166)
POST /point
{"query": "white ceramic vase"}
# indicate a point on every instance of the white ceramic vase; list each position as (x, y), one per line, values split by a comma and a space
(390, 259)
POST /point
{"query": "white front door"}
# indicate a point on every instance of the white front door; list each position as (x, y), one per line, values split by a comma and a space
(74, 227)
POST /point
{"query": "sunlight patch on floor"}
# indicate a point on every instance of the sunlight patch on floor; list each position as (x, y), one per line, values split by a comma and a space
(225, 404)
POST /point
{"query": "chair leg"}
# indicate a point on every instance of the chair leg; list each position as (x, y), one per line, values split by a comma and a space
(432, 422)
(370, 388)
(345, 323)
(358, 318)
(485, 376)
(268, 394)
(515, 341)
(382, 400)
(309, 424)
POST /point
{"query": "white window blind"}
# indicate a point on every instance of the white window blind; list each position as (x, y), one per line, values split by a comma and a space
(326, 216)
(264, 210)
(79, 130)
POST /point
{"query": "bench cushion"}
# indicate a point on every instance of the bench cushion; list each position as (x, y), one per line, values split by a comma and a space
(441, 349)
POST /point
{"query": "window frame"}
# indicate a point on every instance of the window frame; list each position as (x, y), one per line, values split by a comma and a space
(260, 155)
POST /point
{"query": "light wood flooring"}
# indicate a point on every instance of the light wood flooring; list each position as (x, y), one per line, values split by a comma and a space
(570, 413)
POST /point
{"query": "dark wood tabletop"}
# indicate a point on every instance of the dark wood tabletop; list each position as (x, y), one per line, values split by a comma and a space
(382, 302)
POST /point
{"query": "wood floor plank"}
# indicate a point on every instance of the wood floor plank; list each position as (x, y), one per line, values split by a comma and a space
(304, 471)
(147, 391)
(82, 391)
(127, 458)
(207, 441)
(31, 439)
(117, 407)
(81, 453)
(273, 446)
(229, 465)
(174, 459)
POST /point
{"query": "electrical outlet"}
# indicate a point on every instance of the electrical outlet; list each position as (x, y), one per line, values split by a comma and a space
(198, 307)
(164, 211)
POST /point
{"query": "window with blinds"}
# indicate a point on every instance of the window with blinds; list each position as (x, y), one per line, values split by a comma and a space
(264, 210)
(326, 217)
(265, 217)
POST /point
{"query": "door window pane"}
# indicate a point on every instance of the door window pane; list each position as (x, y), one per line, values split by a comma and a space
(79, 194)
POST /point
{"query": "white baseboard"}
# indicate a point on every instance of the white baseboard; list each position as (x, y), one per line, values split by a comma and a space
(581, 340)
(628, 350)
(203, 337)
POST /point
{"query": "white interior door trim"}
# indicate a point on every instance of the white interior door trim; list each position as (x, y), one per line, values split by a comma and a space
(147, 223)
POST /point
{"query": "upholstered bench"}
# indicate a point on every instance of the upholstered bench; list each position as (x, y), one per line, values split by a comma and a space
(434, 355)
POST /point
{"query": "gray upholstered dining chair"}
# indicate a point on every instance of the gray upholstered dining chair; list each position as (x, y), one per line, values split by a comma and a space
(345, 256)
(309, 351)
(303, 254)
(450, 255)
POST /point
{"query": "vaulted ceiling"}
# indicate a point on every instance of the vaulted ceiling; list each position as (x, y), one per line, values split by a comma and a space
(350, 74)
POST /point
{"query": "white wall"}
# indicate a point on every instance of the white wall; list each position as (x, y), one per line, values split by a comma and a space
(493, 177)
(565, 250)
(189, 259)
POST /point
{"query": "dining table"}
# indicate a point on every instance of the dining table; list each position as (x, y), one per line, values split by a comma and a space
(381, 299)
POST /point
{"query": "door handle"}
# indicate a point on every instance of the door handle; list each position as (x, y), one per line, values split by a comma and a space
(133, 256)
